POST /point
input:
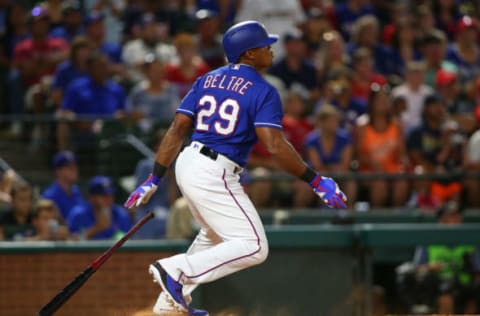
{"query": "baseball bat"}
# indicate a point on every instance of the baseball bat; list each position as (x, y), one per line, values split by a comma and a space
(55, 303)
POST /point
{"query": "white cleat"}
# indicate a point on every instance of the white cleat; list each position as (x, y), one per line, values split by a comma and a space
(165, 306)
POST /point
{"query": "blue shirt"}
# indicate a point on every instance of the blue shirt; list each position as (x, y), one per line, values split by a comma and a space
(82, 218)
(342, 140)
(62, 199)
(65, 74)
(83, 96)
(226, 106)
(113, 51)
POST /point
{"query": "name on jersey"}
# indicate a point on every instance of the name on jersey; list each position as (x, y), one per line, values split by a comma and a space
(229, 83)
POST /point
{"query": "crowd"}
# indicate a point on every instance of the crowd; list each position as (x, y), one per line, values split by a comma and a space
(379, 88)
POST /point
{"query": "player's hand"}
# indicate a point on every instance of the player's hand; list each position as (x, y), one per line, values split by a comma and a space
(143, 193)
(327, 189)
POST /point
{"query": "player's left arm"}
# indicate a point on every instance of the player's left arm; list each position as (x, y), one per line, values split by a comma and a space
(166, 154)
(289, 160)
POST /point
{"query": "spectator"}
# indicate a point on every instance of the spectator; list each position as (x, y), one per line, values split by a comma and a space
(113, 11)
(348, 12)
(154, 100)
(432, 149)
(95, 32)
(365, 35)
(100, 217)
(69, 70)
(190, 65)
(446, 13)
(7, 179)
(444, 277)
(180, 223)
(208, 38)
(458, 105)
(424, 21)
(315, 28)
(328, 149)
(472, 164)
(331, 56)
(296, 125)
(281, 15)
(414, 91)
(398, 14)
(464, 51)
(293, 69)
(71, 24)
(167, 193)
(89, 97)
(434, 48)
(404, 48)
(64, 191)
(363, 74)
(380, 147)
(48, 223)
(149, 42)
(339, 94)
(16, 224)
(36, 58)
(17, 27)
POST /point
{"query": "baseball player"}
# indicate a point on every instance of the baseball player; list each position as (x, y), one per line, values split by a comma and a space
(229, 109)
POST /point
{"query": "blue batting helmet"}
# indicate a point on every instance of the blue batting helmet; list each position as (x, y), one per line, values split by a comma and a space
(244, 36)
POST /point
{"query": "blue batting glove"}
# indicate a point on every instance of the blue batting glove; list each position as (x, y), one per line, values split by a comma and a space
(143, 193)
(327, 189)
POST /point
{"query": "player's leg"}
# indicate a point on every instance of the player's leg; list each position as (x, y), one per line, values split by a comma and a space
(224, 207)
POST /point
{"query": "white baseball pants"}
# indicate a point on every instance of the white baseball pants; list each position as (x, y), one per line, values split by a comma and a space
(232, 236)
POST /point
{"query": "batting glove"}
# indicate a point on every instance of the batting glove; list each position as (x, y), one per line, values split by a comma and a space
(143, 193)
(327, 189)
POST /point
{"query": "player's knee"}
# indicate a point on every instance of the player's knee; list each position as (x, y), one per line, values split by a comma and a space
(262, 253)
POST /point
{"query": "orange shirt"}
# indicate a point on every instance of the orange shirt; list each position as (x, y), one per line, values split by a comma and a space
(381, 148)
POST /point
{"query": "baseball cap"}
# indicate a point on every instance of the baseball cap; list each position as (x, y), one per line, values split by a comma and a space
(63, 158)
(466, 22)
(101, 185)
(444, 77)
(93, 17)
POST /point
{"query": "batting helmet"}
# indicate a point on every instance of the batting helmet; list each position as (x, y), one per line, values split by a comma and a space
(244, 36)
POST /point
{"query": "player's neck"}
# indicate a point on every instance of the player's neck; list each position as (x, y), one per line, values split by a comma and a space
(250, 64)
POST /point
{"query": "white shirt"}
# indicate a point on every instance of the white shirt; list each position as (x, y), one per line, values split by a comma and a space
(134, 52)
(278, 16)
(473, 147)
(414, 99)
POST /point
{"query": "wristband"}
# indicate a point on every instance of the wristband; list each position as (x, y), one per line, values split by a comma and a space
(308, 175)
(158, 170)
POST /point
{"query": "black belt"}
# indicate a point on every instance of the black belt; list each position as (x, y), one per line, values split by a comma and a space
(210, 153)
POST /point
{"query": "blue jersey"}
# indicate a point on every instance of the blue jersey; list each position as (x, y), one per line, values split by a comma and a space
(226, 106)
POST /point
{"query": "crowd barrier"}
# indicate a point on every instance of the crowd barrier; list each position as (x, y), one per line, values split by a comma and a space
(311, 270)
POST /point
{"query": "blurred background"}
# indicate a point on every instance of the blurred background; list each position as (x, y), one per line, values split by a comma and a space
(384, 96)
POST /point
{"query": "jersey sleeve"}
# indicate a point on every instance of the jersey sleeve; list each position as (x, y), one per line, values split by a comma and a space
(189, 102)
(269, 110)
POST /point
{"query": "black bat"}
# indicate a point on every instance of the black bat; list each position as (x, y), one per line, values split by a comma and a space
(59, 299)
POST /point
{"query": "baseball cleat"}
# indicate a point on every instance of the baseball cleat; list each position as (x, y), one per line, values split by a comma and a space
(165, 306)
(171, 287)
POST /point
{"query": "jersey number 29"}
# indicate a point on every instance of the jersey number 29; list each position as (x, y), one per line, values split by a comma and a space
(227, 114)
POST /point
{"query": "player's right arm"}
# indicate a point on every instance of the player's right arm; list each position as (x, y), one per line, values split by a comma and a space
(166, 153)
(289, 160)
